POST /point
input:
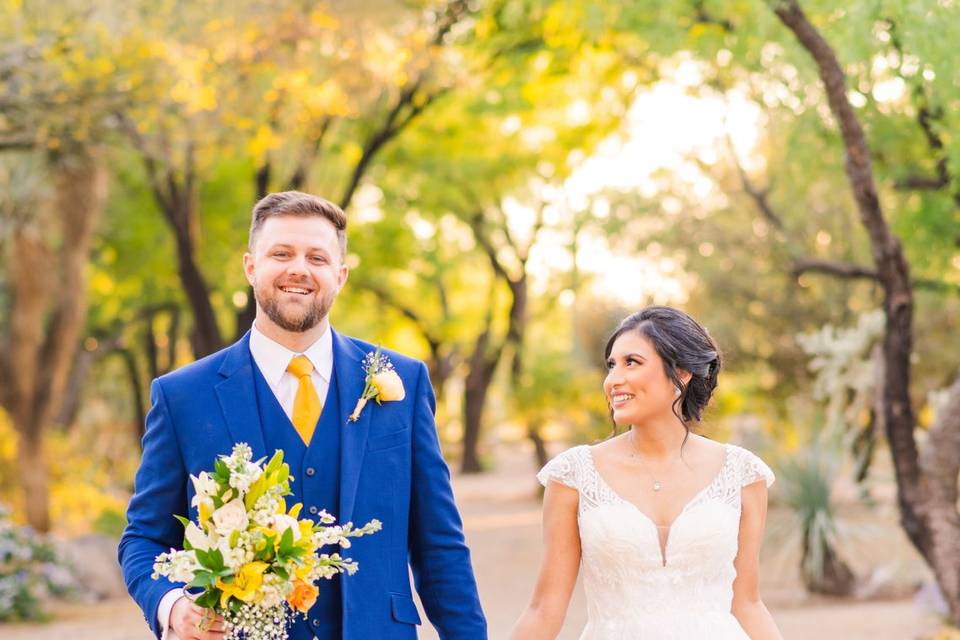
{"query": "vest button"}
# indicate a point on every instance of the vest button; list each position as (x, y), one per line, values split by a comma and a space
(316, 622)
(311, 471)
(313, 510)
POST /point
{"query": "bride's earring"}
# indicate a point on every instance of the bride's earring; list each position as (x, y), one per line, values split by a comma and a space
(676, 392)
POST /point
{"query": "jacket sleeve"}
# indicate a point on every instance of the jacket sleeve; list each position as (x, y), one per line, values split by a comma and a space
(160, 491)
(439, 555)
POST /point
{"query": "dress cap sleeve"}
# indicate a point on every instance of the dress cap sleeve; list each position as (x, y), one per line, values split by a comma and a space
(563, 469)
(753, 469)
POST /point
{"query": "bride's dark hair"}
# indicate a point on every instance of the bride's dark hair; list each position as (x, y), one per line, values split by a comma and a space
(682, 344)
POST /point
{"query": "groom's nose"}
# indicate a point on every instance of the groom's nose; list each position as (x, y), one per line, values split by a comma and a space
(298, 265)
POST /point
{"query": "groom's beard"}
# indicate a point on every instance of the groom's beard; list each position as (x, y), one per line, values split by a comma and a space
(290, 317)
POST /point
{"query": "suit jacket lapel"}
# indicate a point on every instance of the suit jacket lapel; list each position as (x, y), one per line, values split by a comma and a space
(348, 362)
(238, 397)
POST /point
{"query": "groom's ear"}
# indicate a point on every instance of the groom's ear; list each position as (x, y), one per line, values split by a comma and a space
(248, 267)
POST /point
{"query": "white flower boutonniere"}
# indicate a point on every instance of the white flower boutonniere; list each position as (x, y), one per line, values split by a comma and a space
(383, 383)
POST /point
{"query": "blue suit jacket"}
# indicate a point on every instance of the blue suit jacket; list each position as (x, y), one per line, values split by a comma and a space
(391, 469)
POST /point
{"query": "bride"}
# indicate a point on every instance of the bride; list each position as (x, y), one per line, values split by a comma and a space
(666, 524)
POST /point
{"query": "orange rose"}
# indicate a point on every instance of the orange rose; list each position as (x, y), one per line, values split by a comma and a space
(303, 595)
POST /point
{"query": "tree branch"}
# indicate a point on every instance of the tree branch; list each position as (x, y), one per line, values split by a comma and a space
(476, 224)
(833, 268)
(759, 196)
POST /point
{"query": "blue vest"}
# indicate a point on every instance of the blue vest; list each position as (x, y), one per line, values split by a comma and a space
(316, 473)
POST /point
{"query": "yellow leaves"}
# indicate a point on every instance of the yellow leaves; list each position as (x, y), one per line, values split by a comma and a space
(352, 152)
(562, 25)
(326, 98)
(194, 98)
(323, 20)
(264, 140)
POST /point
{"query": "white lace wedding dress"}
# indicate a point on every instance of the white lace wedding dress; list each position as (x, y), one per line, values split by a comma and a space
(636, 590)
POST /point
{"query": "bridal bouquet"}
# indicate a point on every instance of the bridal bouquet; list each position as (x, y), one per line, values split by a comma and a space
(255, 561)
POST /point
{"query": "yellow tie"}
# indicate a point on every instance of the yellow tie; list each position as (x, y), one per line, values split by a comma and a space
(306, 404)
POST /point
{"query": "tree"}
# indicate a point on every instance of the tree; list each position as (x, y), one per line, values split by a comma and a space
(927, 487)
(46, 261)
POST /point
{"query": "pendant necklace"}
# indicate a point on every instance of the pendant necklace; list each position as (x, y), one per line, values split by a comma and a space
(657, 485)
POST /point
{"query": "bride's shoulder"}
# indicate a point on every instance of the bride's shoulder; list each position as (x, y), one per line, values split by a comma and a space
(748, 466)
(567, 467)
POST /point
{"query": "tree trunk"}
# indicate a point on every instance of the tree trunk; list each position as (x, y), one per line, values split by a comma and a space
(940, 464)
(539, 446)
(34, 477)
(45, 330)
(136, 392)
(483, 364)
(205, 337)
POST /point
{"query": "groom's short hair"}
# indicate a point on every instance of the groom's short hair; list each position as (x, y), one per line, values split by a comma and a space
(300, 204)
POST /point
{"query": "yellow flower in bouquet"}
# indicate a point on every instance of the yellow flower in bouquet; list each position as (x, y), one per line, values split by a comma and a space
(245, 584)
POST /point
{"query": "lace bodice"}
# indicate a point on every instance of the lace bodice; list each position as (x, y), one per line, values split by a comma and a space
(639, 591)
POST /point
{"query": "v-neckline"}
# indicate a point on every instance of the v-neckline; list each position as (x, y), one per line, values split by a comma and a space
(653, 523)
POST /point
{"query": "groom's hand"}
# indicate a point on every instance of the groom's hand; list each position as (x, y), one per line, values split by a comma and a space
(191, 622)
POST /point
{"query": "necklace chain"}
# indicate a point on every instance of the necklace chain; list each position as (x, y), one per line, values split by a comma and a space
(634, 453)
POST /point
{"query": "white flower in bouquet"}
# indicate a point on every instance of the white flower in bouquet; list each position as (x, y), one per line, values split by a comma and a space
(282, 522)
(231, 517)
(245, 475)
(204, 485)
(196, 537)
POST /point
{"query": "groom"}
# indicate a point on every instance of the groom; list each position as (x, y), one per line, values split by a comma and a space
(290, 383)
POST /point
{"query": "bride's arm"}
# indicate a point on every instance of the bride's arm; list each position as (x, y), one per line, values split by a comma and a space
(747, 605)
(543, 617)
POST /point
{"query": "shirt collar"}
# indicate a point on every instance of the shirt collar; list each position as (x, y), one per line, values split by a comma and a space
(273, 358)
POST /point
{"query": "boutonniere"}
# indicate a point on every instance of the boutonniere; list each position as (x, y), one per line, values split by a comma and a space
(383, 383)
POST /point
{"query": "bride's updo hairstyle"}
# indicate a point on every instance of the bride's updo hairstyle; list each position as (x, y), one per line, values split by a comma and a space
(682, 344)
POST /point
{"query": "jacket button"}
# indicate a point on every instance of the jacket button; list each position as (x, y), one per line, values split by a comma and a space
(313, 510)
(311, 471)
(316, 622)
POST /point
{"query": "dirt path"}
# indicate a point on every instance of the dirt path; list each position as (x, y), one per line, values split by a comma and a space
(502, 522)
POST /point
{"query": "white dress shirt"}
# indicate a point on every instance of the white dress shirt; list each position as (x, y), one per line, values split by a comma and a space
(272, 358)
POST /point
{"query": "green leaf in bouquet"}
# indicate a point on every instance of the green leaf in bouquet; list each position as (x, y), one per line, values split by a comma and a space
(208, 599)
(216, 560)
(203, 557)
(221, 472)
(204, 579)
(282, 474)
(280, 571)
(234, 537)
(286, 543)
(275, 462)
(257, 489)
(234, 605)
(182, 520)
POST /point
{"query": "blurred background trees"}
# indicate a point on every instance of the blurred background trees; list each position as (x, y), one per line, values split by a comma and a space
(518, 175)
